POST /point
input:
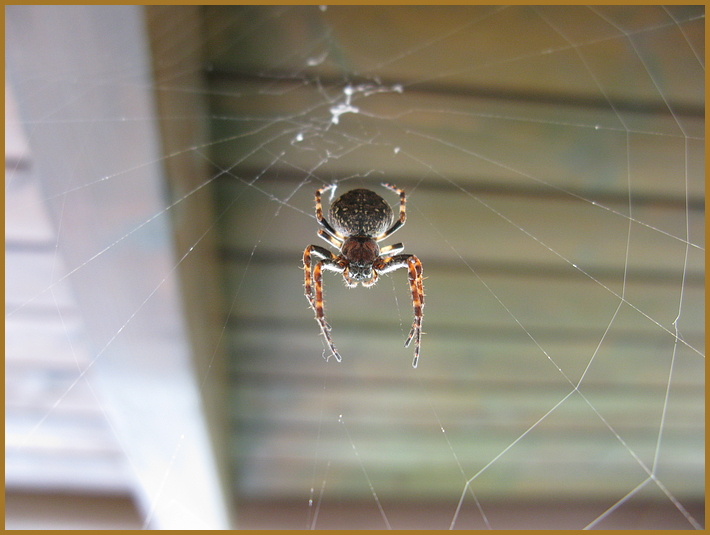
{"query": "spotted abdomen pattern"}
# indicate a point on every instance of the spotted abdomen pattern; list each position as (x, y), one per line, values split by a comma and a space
(360, 212)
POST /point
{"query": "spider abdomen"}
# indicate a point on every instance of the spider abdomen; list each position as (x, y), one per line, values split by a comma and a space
(360, 212)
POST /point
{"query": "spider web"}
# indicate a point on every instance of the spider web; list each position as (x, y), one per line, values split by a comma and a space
(564, 348)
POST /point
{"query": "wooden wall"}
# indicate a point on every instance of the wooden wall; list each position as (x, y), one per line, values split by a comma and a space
(553, 159)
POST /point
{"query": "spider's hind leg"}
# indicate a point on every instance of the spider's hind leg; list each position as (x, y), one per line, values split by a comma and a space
(402, 212)
(322, 221)
(336, 242)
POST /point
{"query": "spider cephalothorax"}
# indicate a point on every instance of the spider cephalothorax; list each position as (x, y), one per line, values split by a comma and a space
(359, 220)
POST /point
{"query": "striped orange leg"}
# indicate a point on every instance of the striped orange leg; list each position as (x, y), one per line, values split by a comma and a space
(416, 286)
(315, 282)
(330, 231)
(402, 212)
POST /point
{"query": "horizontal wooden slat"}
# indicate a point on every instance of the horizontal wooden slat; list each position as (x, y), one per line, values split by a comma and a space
(32, 280)
(52, 340)
(16, 148)
(74, 448)
(26, 220)
(67, 473)
(464, 140)
(463, 302)
(459, 359)
(28, 510)
(644, 512)
(416, 43)
(573, 470)
(487, 405)
(477, 228)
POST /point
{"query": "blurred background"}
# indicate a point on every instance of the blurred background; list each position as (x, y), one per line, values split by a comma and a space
(163, 369)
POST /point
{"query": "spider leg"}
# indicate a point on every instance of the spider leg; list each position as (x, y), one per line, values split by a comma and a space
(416, 286)
(321, 254)
(322, 220)
(336, 242)
(329, 261)
(392, 249)
(372, 281)
(402, 212)
(348, 281)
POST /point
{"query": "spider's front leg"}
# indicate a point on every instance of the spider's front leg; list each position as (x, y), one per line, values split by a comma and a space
(315, 299)
(416, 286)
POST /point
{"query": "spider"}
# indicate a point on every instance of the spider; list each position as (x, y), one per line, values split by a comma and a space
(360, 219)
